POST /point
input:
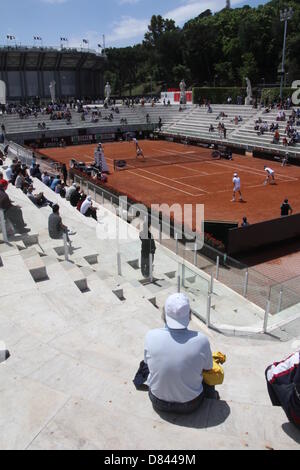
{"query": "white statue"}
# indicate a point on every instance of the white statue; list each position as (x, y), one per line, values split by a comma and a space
(52, 90)
(248, 99)
(107, 91)
(2, 92)
(182, 87)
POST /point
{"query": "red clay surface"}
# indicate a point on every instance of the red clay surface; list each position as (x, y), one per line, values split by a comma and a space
(204, 182)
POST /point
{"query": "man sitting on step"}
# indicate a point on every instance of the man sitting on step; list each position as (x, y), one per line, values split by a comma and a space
(177, 358)
(12, 213)
(56, 228)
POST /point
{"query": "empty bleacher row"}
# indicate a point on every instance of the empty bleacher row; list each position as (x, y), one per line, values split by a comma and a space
(198, 121)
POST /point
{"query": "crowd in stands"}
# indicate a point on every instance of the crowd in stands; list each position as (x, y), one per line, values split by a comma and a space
(292, 133)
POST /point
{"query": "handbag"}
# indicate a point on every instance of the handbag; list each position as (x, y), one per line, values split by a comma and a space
(215, 376)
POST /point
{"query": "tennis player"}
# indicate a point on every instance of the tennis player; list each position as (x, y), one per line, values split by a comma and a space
(236, 187)
(270, 175)
(139, 151)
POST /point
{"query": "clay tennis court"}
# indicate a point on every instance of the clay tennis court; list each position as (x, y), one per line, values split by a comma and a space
(197, 179)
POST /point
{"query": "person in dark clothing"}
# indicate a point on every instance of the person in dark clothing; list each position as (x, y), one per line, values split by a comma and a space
(148, 247)
(64, 172)
(286, 208)
(12, 213)
(283, 382)
(56, 228)
(75, 197)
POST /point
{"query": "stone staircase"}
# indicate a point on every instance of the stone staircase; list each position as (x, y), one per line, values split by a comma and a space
(75, 331)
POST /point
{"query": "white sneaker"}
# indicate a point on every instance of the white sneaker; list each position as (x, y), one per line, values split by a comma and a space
(71, 233)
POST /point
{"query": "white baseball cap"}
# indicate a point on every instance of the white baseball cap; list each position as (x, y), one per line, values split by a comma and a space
(177, 311)
(235, 174)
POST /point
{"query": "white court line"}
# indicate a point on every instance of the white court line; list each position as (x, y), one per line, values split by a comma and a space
(254, 171)
(199, 174)
(163, 184)
(172, 180)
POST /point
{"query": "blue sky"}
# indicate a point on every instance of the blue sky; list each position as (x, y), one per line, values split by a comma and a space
(123, 22)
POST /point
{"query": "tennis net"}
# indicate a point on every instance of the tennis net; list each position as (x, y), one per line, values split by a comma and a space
(161, 160)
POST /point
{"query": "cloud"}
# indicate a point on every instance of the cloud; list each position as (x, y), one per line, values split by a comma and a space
(193, 8)
(127, 28)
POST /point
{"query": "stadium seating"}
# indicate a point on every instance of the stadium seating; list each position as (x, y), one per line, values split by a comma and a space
(75, 331)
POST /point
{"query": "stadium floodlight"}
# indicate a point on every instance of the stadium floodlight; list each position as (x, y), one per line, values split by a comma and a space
(285, 16)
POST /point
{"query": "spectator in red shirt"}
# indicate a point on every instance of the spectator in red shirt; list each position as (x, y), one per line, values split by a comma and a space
(3, 182)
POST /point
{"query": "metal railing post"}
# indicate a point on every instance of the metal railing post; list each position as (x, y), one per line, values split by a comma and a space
(211, 287)
(267, 311)
(280, 300)
(151, 267)
(208, 309)
(119, 263)
(178, 281)
(176, 238)
(245, 291)
(183, 275)
(195, 253)
(217, 267)
(66, 247)
(3, 226)
(160, 233)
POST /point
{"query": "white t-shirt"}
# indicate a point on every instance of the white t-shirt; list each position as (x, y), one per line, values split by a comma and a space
(270, 171)
(176, 360)
(85, 206)
(237, 183)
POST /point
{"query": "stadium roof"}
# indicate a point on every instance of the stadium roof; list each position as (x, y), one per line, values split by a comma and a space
(49, 58)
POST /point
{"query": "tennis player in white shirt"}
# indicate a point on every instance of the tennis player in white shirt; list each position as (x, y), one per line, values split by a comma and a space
(270, 175)
(139, 151)
(236, 187)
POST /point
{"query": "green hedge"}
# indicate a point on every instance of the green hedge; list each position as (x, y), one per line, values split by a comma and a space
(269, 95)
(217, 95)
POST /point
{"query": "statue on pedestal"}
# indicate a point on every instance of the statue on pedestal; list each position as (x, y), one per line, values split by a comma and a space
(248, 99)
(52, 91)
(182, 87)
(107, 92)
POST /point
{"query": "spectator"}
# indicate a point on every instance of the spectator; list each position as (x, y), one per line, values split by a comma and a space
(64, 172)
(286, 208)
(70, 191)
(9, 172)
(245, 222)
(55, 182)
(46, 178)
(75, 197)
(12, 213)
(38, 199)
(56, 228)
(3, 182)
(20, 181)
(283, 381)
(87, 208)
(176, 358)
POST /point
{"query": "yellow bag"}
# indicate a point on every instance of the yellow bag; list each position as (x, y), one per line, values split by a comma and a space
(215, 376)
